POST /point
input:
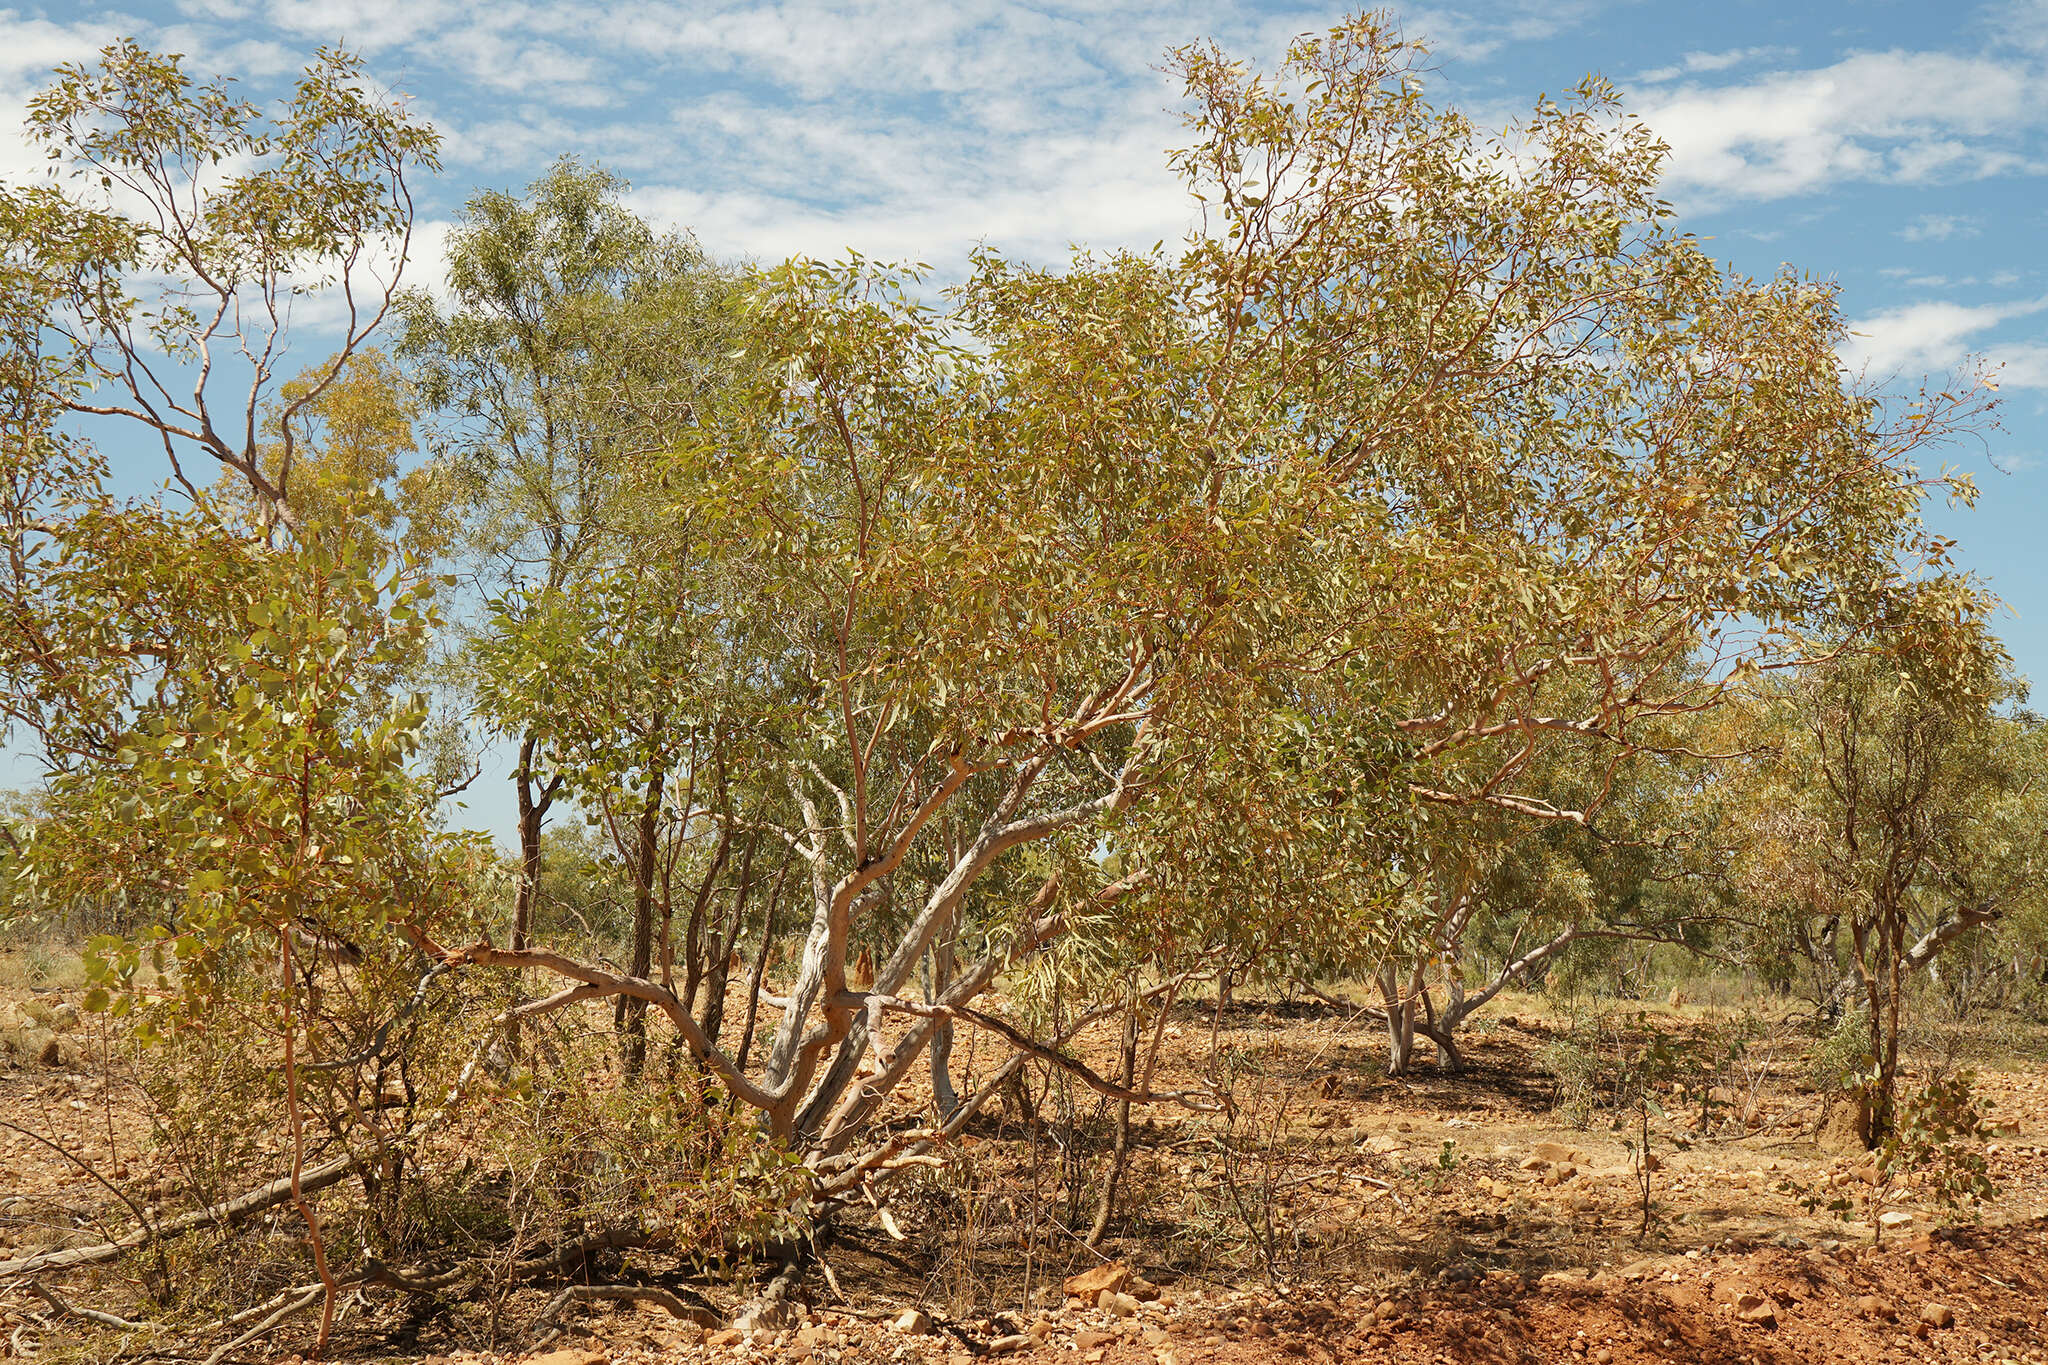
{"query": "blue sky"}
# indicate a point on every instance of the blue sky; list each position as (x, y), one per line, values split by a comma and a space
(1897, 147)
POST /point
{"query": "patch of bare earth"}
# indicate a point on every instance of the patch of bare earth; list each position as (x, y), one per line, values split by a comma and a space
(1442, 1218)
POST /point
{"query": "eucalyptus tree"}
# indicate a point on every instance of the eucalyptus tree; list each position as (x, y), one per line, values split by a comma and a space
(1492, 898)
(1429, 454)
(147, 283)
(574, 341)
(1890, 807)
(215, 689)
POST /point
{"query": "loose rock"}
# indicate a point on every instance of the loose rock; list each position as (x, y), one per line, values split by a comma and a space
(1112, 1277)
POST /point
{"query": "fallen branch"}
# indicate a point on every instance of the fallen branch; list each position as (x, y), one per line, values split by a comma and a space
(49, 1296)
(236, 1319)
(229, 1212)
(621, 1293)
(299, 1304)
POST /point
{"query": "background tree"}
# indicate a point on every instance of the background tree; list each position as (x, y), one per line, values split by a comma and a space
(1887, 765)
(142, 281)
(576, 341)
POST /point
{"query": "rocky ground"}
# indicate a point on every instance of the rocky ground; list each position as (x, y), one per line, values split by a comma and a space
(1981, 1294)
(1435, 1219)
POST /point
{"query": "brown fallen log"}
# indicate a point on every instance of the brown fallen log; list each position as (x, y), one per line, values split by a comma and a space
(228, 1211)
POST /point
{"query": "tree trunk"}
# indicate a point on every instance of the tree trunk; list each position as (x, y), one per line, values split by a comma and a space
(944, 965)
(632, 1016)
(1443, 1028)
(533, 802)
(719, 969)
(695, 946)
(1120, 1150)
(1400, 1022)
(760, 966)
(1439, 1031)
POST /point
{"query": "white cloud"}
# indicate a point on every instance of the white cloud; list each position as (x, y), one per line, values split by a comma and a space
(367, 26)
(1698, 63)
(1939, 227)
(2020, 366)
(1899, 117)
(1937, 336)
(29, 48)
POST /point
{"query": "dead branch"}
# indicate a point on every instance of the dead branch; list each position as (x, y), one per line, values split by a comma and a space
(227, 1212)
(50, 1297)
(304, 1300)
(621, 1293)
(1201, 1101)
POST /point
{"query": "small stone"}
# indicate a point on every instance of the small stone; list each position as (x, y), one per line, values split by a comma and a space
(1121, 1305)
(910, 1322)
(727, 1336)
(1756, 1308)
(1155, 1336)
(1938, 1315)
(1894, 1218)
(1009, 1345)
(1041, 1329)
(1871, 1306)
(572, 1356)
(1551, 1152)
(1092, 1282)
(1088, 1338)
